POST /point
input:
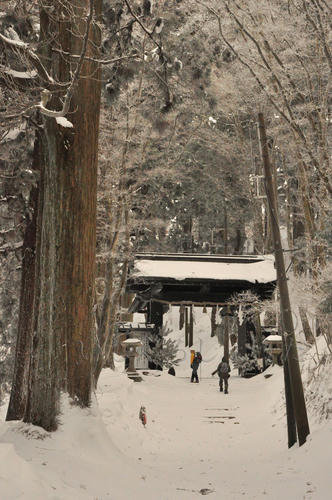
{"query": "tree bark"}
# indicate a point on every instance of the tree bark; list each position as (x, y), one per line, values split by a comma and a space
(19, 389)
(306, 327)
(66, 236)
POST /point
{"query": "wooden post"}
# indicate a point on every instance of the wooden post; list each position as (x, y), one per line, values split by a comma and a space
(156, 317)
(186, 328)
(191, 326)
(213, 320)
(300, 411)
(258, 329)
(241, 340)
(181, 317)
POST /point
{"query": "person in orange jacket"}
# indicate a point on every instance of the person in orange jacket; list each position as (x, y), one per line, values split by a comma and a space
(194, 365)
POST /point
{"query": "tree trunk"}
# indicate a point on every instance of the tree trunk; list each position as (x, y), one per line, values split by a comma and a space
(66, 237)
(43, 395)
(78, 195)
(306, 327)
(225, 231)
(19, 389)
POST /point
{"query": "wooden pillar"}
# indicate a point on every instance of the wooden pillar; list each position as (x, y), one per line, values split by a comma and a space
(213, 320)
(226, 334)
(181, 317)
(191, 326)
(155, 316)
(241, 339)
(186, 327)
(258, 330)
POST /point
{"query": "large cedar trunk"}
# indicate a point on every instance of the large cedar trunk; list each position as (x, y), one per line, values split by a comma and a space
(66, 237)
(19, 390)
(78, 195)
(43, 394)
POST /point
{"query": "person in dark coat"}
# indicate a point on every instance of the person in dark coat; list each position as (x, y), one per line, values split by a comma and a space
(194, 365)
(223, 370)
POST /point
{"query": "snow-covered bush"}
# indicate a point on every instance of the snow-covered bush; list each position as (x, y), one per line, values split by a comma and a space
(314, 296)
(317, 380)
(163, 352)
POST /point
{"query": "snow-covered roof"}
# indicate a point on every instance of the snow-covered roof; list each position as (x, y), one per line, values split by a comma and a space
(255, 270)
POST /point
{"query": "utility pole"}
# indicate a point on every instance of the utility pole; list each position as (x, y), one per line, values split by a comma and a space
(291, 423)
(225, 230)
(300, 411)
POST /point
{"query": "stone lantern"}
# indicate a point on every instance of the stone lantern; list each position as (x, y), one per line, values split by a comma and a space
(130, 351)
(274, 348)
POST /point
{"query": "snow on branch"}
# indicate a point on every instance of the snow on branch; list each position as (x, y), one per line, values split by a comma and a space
(25, 49)
(62, 120)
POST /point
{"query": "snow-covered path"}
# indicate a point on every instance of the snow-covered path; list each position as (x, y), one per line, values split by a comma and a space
(200, 440)
(105, 452)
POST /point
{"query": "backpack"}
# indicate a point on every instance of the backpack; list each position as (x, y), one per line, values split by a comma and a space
(223, 368)
(195, 363)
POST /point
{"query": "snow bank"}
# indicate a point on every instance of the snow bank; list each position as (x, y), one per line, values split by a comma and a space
(197, 440)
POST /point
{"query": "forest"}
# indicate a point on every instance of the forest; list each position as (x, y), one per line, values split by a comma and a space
(132, 126)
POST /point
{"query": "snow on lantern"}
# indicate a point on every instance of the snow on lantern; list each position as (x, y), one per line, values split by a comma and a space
(274, 348)
(130, 351)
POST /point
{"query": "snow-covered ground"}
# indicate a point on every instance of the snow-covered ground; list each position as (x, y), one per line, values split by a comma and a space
(197, 441)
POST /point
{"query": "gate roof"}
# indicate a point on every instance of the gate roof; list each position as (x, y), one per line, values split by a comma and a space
(200, 279)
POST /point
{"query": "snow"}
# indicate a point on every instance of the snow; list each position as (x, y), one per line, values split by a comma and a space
(272, 338)
(63, 122)
(15, 43)
(197, 441)
(26, 75)
(261, 271)
(132, 342)
(12, 134)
